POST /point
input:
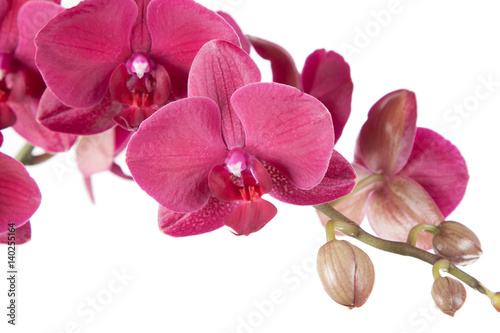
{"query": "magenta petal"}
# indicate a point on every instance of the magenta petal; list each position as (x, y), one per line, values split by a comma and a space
(22, 235)
(118, 86)
(339, 180)
(245, 43)
(437, 165)
(78, 49)
(36, 134)
(8, 25)
(250, 216)
(31, 18)
(208, 218)
(386, 139)
(58, 117)
(218, 70)
(95, 153)
(7, 117)
(398, 206)
(286, 128)
(172, 153)
(221, 185)
(19, 194)
(140, 37)
(282, 64)
(327, 77)
(179, 28)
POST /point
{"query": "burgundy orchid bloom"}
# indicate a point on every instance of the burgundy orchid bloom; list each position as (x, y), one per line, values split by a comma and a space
(325, 76)
(96, 153)
(21, 84)
(118, 61)
(210, 158)
(408, 175)
(19, 199)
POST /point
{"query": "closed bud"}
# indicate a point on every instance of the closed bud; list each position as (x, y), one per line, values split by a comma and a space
(448, 294)
(495, 300)
(457, 243)
(346, 272)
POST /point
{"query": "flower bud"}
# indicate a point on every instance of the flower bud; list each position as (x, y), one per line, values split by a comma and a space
(448, 294)
(346, 272)
(457, 243)
(495, 300)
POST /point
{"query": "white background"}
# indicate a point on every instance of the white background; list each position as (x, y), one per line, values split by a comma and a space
(221, 283)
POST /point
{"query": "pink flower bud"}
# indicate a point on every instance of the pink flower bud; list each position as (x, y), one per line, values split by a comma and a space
(457, 243)
(448, 294)
(346, 272)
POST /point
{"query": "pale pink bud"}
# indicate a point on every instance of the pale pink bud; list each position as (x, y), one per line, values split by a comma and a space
(495, 300)
(346, 272)
(448, 294)
(457, 243)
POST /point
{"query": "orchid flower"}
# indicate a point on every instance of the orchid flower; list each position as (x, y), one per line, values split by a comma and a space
(408, 175)
(21, 84)
(325, 76)
(210, 158)
(117, 61)
(19, 199)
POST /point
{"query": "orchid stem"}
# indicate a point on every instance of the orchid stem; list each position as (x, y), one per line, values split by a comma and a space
(413, 234)
(26, 157)
(405, 249)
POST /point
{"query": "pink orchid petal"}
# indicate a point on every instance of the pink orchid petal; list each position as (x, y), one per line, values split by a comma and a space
(8, 25)
(386, 139)
(222, 186)
(7, 117)
(118, 85)
(172, 153)
(4, 6)
(95, 153)
(19, 194)
(327, 77)
(58, 117)
(163, 86)
(286, 128)
(140, 39)
(218, 70)
(122, 137)
(36, 134)
(208, 218)
(22, 235)
(265, 181)
(339, 180)
(1, 139)
(245, 43)
(282, 64)
(398, 206)
(117, 170)
(78, 49)
(250, 216)
(437, 165)
(179, 28)
(31, 18)
(87, 180)
(132, 117)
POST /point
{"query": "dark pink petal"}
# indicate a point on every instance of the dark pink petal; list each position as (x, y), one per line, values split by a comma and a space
(95, 153)
(282, 64)
(437, 165)
(172, 153)
(122, 137)
(339, 180)
(163, 86)
(327, 77)
(22, 235)
(31, 18)
(179, 28)
(208, 218)
(19, 194)
(286, 128)
(250, 216)
(140, 39)
(218, 70)
(386, 139)
(58, 117)
(1, 139)
(7, 117)
(118, 86)
(4, 6)
(222, 186)
(132, 117)
(36, 134)
(398, 206)
(265, 181)
(245, 43)
(78, 50)
(117, 170)
(8, 25)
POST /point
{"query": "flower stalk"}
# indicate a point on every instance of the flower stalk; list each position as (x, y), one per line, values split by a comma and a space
(26, 157)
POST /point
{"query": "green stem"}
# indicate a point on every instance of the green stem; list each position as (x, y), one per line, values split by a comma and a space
(400, 248)
(26, 157)
(413, 234)
(360, 186)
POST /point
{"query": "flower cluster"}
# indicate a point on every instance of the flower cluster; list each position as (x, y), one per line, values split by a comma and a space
(172, 83)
